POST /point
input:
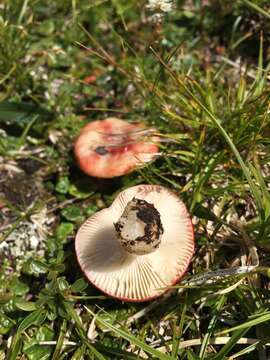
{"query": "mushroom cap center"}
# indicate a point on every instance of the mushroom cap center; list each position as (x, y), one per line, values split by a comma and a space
(139, 228)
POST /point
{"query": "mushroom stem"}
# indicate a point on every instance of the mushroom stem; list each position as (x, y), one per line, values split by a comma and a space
(139, 228)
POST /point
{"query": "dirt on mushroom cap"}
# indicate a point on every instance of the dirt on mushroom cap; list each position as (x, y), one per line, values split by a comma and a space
(139, 228)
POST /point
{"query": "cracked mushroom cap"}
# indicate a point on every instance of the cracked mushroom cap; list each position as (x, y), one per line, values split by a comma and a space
(114, 147)
(138, 247)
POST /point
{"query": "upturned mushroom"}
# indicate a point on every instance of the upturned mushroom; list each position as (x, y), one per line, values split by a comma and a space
(138, 247)
(113, 147)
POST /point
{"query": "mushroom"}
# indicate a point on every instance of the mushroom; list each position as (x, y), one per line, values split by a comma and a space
(114, 147)
(138, 247)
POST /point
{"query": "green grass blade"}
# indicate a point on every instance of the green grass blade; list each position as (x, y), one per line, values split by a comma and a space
(79, 353)
(257, 8)
(230, 344)
(20, 113)
(118, 352)
(36, 318)
(15, 348)
(59, 344)
(211, 327)
(224, 133)
(177, 336)
(247, 324)
(263, 189)
(226, 136)
(131, 338)
(81, 332)
(246, 350)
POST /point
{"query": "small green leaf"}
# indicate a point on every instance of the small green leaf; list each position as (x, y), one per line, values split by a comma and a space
(25, 305)
(62, 284)
(79, 193)
(38, 352)
(62, 185)
(35, 351)
(38, 267)
(18, 287)
(59, 268)
(79, 285)
(6, 325)
(91, 210)
(45, 333)
(63, 230)
(73, 213)
(36, 318)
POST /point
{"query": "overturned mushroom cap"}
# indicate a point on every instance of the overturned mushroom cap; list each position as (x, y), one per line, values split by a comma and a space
(139, 246)
(114, 147)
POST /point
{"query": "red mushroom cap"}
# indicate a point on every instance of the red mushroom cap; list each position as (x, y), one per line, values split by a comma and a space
(113, 147)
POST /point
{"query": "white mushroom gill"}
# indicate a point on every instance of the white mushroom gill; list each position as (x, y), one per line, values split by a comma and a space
(142, 270)
(139, 228)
